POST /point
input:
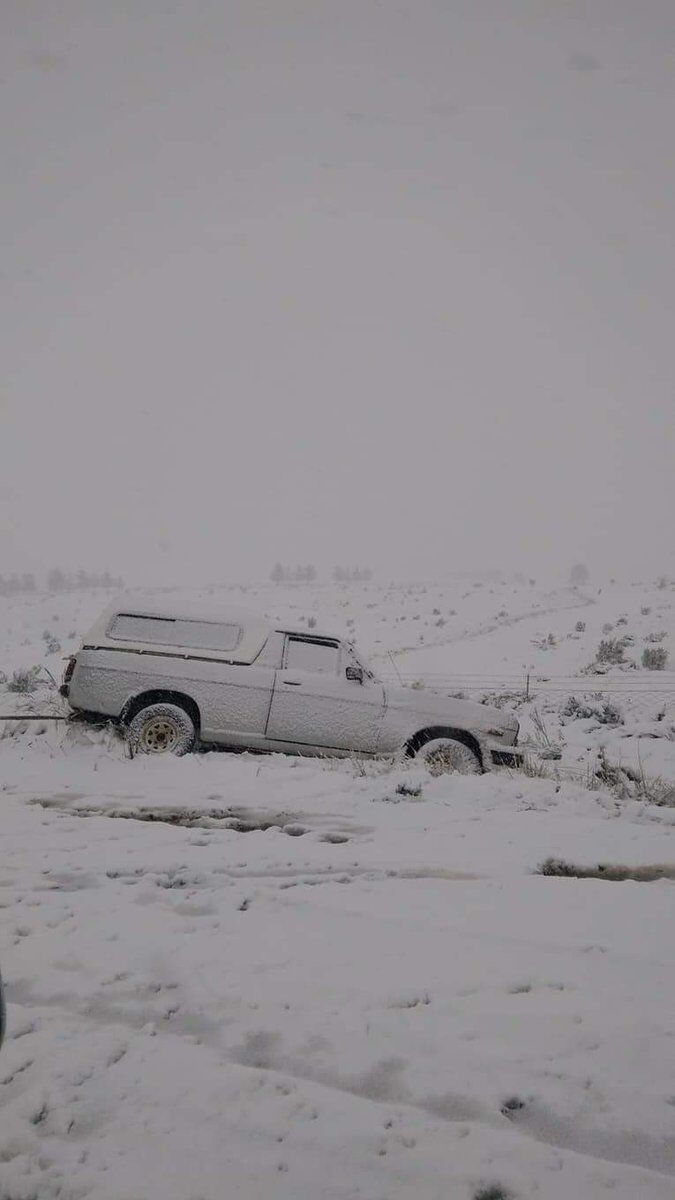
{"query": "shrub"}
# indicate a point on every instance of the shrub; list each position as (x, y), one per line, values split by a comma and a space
(580, 710)
(407, 789)
(24, 681)
(504, 699)
(580, 627)
(611, 650)
(607, 628)
(645, 610)
(655, 637)
(533, 769)
(654, 658)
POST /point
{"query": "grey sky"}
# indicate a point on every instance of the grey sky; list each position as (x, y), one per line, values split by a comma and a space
(340, 280)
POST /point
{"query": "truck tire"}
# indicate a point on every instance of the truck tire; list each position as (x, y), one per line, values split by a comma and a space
(445, 754)
(162, 729)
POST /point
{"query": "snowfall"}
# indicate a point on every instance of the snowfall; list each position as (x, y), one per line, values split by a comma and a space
(273, 978)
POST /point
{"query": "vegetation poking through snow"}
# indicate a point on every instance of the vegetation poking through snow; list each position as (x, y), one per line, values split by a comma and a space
(615, 872)
(505, 699)
(24, 681)
(654, 658)
(606, 713)
(612, 651)
(407, 789)
(52, 643)
(533, 768)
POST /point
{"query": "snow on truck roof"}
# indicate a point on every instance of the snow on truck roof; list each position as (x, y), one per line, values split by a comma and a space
(196, 624)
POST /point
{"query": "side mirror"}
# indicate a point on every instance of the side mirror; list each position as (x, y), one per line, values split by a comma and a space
(355, 674)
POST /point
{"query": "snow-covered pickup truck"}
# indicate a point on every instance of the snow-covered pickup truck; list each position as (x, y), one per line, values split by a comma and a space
(176, 675)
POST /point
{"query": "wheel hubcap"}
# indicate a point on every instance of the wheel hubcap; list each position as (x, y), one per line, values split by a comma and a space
(159, 736)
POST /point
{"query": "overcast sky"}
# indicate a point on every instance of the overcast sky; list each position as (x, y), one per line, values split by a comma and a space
(363, 281)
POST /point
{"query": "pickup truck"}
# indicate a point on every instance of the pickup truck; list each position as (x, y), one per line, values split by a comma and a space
(176, 675)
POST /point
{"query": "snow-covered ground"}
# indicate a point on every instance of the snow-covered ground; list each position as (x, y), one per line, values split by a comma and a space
(266, 977)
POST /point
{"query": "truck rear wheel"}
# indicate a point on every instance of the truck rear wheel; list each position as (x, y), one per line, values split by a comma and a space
(162, 729)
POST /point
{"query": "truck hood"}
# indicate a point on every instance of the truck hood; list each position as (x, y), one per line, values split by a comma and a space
(464, 714)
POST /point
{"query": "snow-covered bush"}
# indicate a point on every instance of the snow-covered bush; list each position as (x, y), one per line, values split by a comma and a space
(611, 650)
(24, 681)
(499, 699)
(654, 658)
(580, 710)
(546, 643)
(580, 627)
(655, 637)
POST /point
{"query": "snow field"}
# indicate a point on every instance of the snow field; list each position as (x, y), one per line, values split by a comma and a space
(370, 993)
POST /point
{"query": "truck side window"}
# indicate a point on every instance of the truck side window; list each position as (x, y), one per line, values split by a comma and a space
(306, 655)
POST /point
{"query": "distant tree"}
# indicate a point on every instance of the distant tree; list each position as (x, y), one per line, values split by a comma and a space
(28, 582)
(340, 575)
(579, 575)
(107, 580)
(278, 574)
(56, 580)
(304, 573)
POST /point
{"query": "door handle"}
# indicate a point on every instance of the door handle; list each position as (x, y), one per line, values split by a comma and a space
(292, 682)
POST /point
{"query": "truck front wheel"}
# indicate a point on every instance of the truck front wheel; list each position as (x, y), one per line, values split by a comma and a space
(445, 754)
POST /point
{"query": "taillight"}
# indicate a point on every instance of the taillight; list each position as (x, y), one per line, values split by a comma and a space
(70, 667)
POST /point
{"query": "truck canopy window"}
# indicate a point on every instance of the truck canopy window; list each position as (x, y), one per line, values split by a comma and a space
(166, 631)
